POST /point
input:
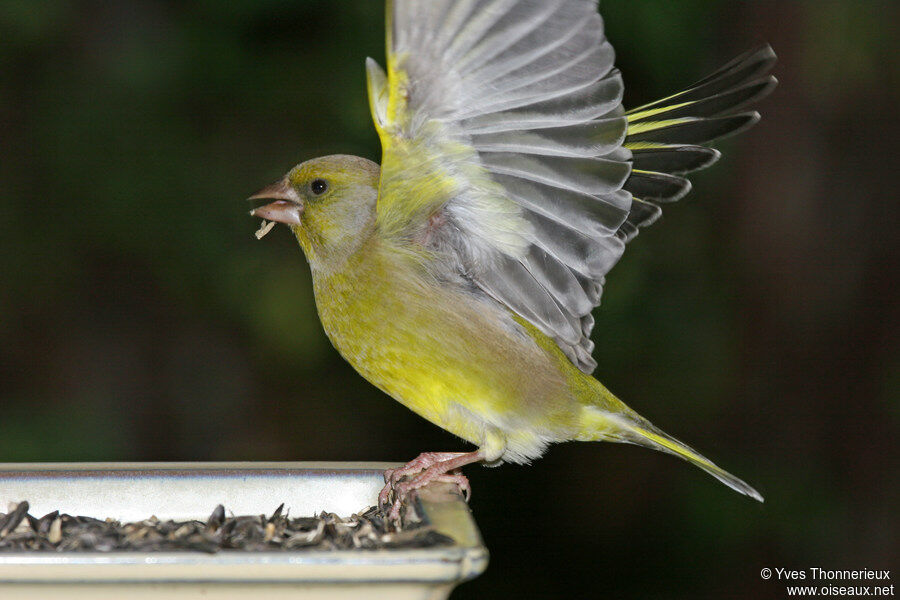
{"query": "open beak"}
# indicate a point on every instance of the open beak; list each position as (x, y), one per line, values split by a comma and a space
(286, 206)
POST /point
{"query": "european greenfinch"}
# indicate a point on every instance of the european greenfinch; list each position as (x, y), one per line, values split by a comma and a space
(459, 276)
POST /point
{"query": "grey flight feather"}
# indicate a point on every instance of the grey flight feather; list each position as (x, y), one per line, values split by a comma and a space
(518, 102)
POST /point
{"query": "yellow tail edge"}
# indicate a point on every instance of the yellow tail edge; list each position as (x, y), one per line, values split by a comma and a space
(631, 428)
(666, 443)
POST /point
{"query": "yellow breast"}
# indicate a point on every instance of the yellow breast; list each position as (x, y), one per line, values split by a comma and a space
(455, 358)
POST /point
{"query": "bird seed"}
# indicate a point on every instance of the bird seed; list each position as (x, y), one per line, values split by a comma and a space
(55, 532)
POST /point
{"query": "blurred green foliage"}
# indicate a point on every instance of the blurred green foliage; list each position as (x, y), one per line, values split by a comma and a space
(140, 319)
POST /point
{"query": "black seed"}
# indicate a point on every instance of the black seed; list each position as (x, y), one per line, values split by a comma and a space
(13, 519)
(277, 514)
(367, 530)
(216, 518)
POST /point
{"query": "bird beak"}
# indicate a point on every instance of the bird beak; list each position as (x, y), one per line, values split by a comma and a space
(286, 208)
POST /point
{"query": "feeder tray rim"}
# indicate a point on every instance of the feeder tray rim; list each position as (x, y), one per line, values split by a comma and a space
(354, 483)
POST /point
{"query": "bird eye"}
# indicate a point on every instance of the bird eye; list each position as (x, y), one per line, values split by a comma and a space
(318, 186)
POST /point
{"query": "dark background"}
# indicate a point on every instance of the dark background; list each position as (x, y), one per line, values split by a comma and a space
(140, 319)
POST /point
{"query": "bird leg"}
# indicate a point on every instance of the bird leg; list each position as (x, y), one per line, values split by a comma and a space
(427, 467)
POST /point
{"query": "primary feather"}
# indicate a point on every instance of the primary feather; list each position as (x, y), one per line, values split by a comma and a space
(664, 137)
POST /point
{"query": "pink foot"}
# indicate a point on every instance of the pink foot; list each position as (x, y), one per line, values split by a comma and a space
(423, 461)
(429, 466)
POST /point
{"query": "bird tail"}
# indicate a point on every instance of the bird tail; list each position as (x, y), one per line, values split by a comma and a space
(610, 420)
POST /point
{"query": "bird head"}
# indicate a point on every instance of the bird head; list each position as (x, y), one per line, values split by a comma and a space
(328, 203)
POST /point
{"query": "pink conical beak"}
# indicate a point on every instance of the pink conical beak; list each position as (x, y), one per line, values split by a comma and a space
(286, 208)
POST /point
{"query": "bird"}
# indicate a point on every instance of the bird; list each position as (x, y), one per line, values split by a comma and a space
(459, 276)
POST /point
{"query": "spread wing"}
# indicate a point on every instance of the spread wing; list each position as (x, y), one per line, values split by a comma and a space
(501, 126)
(503, 137)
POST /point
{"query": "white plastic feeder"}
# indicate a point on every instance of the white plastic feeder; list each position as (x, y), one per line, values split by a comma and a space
(184, 491)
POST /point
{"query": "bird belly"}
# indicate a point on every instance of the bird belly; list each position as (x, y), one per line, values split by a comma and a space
(453, 358)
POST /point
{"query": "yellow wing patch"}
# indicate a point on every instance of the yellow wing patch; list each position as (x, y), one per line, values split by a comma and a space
(424, 166)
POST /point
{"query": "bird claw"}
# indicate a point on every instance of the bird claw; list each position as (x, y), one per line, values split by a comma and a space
(402, 489)
(419, 472)
(384, 496)
(460, 480)
(419, 464)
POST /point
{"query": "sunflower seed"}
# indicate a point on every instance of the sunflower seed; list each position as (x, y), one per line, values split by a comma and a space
(55, 532)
